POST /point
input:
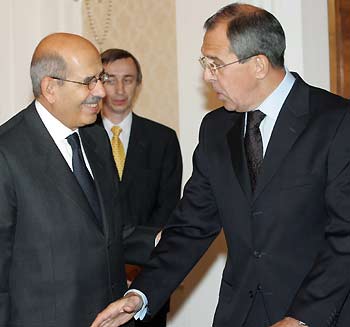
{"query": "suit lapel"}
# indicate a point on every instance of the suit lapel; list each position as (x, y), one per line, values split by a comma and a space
(104, 190)
(290, 124)
(54, 167)
(136, 149)
(236, 146)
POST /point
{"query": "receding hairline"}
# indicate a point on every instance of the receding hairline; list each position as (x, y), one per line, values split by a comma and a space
(62, 44)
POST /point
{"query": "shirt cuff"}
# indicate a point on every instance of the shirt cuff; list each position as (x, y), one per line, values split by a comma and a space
(139, 315)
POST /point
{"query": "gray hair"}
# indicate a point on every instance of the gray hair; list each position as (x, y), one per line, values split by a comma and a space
(251, 31)
(51, 64)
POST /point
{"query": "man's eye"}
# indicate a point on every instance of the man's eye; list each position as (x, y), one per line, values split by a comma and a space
(89, 79)
(128, 80)
(111, 81)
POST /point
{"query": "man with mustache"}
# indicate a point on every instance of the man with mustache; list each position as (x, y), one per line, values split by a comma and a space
(61, 232)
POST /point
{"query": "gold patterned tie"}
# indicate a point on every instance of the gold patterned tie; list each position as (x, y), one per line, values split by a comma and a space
(118, 150)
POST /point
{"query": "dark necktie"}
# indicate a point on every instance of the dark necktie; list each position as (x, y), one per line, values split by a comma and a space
(253, 145)
(83, 176)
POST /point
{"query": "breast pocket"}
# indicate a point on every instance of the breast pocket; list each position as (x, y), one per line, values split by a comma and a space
(299, 181)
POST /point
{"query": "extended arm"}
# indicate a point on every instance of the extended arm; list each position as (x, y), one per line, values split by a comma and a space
(191, 229)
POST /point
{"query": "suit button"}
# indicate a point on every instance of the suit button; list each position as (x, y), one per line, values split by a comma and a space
(251, 294)
(257, 213)
(257, 254)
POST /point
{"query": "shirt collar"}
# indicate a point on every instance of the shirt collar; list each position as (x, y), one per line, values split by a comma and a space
(55, 127)
(273, 103)
(125, 125)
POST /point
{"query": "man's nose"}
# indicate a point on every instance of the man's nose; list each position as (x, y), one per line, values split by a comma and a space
(120, 87)
(99, 90)
(208, 75)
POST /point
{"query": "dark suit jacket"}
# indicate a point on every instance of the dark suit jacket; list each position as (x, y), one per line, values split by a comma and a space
(57, 267)
(290, 241)
(151, 184)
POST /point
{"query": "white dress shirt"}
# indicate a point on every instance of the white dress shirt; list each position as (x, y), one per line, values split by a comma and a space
(59, 133)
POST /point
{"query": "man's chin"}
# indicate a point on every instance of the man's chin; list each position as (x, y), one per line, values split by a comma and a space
(89, 119)
(230, 107)
(121, 109)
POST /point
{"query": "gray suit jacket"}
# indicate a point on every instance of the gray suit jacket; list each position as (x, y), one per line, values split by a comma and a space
(57, 266)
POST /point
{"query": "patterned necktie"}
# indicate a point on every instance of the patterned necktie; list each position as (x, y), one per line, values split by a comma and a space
(83, 176)
(253, 145)
(118, 150)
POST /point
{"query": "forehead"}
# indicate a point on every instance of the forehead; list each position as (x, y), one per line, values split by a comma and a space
(124, 66)
(215, 42)
(86, 63)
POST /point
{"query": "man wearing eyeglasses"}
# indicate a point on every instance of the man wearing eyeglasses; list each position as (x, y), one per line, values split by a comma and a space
(272, 169)
(61, 232)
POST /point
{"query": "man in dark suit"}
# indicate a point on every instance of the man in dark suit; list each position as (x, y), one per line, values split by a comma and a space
(61, 234)
(150, 179)
(272, 169)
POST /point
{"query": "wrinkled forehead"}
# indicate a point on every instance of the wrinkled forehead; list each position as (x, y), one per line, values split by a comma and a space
(84, 63)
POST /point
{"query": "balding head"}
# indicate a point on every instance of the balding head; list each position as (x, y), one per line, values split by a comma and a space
(56, 55)
(62, 68)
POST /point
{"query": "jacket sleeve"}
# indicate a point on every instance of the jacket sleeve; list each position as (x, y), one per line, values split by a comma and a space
(191, 229)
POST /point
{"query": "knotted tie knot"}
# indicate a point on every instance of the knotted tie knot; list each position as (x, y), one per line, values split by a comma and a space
(254, 118)
(116, 130)
(74, 141)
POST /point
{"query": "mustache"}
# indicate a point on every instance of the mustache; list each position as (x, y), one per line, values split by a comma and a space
(92, 100)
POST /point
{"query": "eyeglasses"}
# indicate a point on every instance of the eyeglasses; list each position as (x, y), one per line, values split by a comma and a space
(91, 81)
(207, 63)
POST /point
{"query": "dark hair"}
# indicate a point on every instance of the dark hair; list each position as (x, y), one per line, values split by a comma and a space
(251, 31)
(50, 64)
(112, 55)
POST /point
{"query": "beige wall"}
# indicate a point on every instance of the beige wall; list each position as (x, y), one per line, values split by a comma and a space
(23, 23)
(147, 29)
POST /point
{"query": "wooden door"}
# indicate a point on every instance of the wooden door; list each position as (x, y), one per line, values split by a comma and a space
(339, 45)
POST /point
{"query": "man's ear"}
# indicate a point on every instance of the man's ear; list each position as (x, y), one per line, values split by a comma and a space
(48, 89)
(262, 66)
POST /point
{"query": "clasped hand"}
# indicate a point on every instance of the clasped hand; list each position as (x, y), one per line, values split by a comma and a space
(119, 312)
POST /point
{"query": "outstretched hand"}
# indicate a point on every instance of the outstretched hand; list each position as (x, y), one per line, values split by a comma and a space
(119, 312)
